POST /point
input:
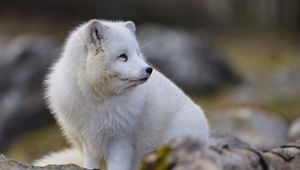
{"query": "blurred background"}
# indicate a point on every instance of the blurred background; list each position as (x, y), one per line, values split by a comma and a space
(240, 60)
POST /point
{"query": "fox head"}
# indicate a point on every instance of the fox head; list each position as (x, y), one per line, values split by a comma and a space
(111, 56)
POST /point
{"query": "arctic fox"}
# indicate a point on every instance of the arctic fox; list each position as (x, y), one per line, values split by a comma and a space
(111, 105)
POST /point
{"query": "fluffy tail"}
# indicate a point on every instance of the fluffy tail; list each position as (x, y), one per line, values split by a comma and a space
(67, 156)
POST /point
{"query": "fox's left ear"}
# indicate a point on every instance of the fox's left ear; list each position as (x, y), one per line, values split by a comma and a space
(130, 25)
(96, 32)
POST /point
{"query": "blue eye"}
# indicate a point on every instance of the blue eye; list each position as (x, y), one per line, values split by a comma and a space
(123, 57)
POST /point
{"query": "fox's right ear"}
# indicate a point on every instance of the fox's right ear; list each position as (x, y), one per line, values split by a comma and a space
(96, 31)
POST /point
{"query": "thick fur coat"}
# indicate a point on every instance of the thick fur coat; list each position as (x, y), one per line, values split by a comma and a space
(111, 105)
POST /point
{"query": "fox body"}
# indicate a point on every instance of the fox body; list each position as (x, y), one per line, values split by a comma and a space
(111, 105)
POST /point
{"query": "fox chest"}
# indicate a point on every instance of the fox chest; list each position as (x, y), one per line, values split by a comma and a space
(109, 121)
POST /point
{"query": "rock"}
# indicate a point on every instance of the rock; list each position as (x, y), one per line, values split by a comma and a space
(218, 138)
(189, 154)
(285, 157)
(294, 131)
(8, 164)
(268, 86)
(23, 65)
(185, 58)
(258, 128)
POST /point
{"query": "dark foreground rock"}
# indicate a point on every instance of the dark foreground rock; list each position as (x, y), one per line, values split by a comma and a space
(188, 154)
(8, 164)
(219, 138)
(188, 60)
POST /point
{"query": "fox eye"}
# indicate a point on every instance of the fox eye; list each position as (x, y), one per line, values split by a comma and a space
(123, 57)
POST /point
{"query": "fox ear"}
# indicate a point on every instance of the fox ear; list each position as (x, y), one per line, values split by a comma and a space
(96, 31)
(130, 25)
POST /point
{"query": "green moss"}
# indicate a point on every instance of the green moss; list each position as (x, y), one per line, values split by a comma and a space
(161, 161)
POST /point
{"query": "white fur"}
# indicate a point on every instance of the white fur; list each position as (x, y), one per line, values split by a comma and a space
(104, 112)
(59, 158)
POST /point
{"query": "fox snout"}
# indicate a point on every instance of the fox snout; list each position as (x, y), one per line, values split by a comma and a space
(149, 70)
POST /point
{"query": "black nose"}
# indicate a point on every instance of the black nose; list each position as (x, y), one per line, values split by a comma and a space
(149, 70)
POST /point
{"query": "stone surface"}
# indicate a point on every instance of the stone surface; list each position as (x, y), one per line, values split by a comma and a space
(24, 62)
(294, 130)
(268, 86)
(256, 127)
(188, 154)
(8, 164)
(188, 60)
(218, 138)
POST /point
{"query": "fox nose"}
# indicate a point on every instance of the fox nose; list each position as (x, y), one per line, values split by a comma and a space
(149, 70)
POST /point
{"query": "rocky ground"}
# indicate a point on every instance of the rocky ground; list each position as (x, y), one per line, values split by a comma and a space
(188, 154)
(9, 164)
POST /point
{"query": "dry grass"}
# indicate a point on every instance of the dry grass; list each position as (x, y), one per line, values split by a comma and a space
(33, 145)
(255, 56)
